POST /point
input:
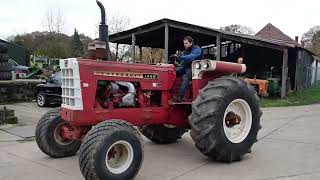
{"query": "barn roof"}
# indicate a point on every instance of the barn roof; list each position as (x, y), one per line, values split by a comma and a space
(151, 35)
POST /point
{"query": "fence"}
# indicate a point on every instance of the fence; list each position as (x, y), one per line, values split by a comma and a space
(315, 78)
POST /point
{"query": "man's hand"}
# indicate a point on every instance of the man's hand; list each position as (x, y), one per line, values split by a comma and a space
(174, 59)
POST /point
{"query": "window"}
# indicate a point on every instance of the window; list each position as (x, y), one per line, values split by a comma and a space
(57, 78)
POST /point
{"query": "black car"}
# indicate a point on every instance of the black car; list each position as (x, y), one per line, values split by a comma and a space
(49, 93)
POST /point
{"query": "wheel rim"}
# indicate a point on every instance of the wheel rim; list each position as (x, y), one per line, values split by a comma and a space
(237, 120)
(57, 135)
(40, 99)
(169, 126)
(119, 157)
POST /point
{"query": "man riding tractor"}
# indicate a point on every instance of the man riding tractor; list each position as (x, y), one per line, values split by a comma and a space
(192, 52)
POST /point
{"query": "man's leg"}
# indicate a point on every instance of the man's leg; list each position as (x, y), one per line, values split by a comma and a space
(180, 71)
(186, 79)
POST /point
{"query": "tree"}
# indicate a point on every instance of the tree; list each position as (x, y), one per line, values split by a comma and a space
(116, 23)
(237, 28)
(311, 40)
(86, 40)
(77, 49)
(54, 21)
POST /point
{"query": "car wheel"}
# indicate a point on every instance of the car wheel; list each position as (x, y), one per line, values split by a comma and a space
(41, 99)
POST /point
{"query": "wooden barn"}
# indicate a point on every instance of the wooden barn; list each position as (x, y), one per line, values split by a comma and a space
(270, 53)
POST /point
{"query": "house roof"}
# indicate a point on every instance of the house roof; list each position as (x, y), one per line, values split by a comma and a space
(271, 32)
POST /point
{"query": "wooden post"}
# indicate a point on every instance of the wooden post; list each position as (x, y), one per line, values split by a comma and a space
(218, 45)
(296, 76)
(243, 53)
(228, 49)
(133, 47)
(284, 73)
(166, 43)
(316, 72)
(117, 49)
(140, 54)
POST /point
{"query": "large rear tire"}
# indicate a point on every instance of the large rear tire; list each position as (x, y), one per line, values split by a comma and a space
(4, 57)
(5, 66)
(3, 48)
(161, 134)
(111, 150)
(48, 136)
(225, 119)
(5, 75)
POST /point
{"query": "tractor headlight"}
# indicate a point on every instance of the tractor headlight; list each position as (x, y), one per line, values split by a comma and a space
(206, 65)
(197, 66)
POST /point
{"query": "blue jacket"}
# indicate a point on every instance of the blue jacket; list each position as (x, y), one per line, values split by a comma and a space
(190, 55)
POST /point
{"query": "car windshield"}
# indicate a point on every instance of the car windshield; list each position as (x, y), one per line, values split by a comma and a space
(57, 77)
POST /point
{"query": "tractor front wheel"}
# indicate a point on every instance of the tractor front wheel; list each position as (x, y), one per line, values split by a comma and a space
(162, 134)
(225, 119)
(111, 150)
(49, 139)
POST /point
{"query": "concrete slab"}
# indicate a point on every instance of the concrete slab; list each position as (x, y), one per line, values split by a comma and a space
(22, 131)
(302, 130)
(7, 137)
(270, 159)
(28, 113)
(15, 167)
(288, 150)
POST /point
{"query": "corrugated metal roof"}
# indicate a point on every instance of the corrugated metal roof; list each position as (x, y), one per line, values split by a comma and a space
(263, 39)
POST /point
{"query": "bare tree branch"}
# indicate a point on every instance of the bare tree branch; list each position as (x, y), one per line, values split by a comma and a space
(54, 21)
(237, 28)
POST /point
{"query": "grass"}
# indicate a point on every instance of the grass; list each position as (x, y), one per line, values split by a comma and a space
(303, 97)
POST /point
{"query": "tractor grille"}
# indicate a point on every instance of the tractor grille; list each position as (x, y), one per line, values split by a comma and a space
(71, 88)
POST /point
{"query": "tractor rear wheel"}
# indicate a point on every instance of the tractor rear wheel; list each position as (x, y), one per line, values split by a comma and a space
(162, 134)
(5, 75)
(225, 119)
(4, 57)
(113, 149)
(3, 48)
(49, 139)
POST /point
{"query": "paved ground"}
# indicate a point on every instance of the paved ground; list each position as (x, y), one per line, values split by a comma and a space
(288, 149)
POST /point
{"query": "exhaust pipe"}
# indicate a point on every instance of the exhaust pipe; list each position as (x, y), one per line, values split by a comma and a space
(103, 29)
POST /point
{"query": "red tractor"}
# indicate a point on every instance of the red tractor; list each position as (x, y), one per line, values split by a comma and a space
(106, 104)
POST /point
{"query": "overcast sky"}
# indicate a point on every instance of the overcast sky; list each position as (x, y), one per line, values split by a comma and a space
(293, 17)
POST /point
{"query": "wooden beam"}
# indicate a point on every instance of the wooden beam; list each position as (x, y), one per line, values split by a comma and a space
(251, 41)
(228, 49)
(196, 29)
(284, 76)
(218, 45)
(117, 49)
(117, 37)
(133, 48)
(296, 76)
(166, 43)
(140, 54)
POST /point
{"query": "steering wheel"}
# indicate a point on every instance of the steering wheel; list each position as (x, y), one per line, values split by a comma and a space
(174, 59)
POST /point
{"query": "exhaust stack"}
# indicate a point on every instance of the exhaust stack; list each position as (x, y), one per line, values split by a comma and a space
(99, 49)
(103, 28)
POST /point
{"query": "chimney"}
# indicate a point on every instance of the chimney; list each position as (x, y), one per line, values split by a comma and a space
(297, 39)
